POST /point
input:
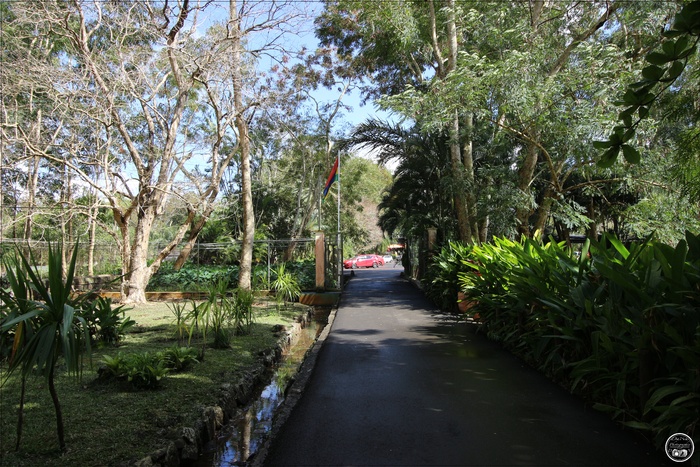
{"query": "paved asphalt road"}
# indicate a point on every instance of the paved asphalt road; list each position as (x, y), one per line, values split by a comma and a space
(398, 383)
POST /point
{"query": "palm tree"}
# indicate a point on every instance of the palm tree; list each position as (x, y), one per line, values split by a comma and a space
(56, 328)
(420, 196)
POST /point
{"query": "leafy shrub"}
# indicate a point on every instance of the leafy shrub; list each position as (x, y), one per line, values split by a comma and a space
(304, 272)
(106, 324)
(179, 358)
(285, 285)
(220, 311)
(179, 310)
(442, 279)
(143, 370)
(243, 311)
(146, 370)
(113, 367)
(190, 277)
(619, 324)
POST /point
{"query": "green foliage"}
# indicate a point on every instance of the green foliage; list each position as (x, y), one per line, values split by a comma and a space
(617, 323)
(243, 312)
(107, 324)
(199, 277)
(220, 311)
(442, 280)
(304, 272)
(113, 367)
(145, 370)
(190, 277)
(285, 285)
(47, 327)
(179, 311)
(665, 66)
(223, 314)
(179, 358)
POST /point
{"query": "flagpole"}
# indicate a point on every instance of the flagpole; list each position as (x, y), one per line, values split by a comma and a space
(339, 241)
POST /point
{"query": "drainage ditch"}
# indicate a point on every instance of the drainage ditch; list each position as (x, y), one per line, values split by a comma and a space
(242, 437)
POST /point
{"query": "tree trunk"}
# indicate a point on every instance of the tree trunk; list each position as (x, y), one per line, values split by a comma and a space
(461, 204)
(460, 200)
(92, 220)
(246, 266)
(32, 182)
(20, 412)
(543, 211)
(139, 273)
(191, 239)
(468, 161)
(525, 175)
(57, 408)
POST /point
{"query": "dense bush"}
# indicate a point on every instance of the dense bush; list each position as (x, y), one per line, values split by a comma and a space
(619, 324)
(305, 273)
(145, 370)
(441, 283)
(285, 284)
(107, 324)
(193, 277)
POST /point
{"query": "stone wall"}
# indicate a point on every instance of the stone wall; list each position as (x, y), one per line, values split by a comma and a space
(100, 282)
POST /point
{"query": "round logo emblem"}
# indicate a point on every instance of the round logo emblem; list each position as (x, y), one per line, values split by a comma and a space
(679, 447)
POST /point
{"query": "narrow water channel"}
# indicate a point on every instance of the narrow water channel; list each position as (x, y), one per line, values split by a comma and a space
(243, 435)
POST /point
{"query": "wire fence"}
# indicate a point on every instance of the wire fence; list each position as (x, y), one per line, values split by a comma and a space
(106, 259)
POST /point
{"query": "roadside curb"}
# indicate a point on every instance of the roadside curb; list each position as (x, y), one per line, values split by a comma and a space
(294, 393)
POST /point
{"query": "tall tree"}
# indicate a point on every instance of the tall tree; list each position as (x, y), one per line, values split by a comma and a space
(153, 80)
(543, 72)
(407, 46)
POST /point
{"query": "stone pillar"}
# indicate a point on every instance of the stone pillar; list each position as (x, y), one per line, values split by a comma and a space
(320, 252)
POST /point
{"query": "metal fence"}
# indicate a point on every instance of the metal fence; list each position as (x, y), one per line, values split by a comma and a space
(107, 256)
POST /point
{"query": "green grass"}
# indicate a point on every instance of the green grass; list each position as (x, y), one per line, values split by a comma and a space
(112, 423)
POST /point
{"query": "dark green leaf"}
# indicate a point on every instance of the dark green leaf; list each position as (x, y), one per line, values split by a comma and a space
(630, 97)
(627, 120)
(687, 53)
(675, 71)
(658, 58)
(653, 72)
(609, 157)
(675, 48)
(631, 154)
(673, 33)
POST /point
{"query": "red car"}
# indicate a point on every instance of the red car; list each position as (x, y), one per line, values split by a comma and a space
(379, 258)
(362, 261)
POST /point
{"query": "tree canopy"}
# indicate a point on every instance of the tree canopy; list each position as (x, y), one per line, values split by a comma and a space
(152, 125)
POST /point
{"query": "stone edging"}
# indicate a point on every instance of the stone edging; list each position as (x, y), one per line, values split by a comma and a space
(186, 442)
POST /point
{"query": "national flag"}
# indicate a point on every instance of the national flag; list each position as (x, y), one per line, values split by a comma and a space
(332, 178)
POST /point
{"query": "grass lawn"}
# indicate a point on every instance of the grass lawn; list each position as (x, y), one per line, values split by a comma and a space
(112, 424)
